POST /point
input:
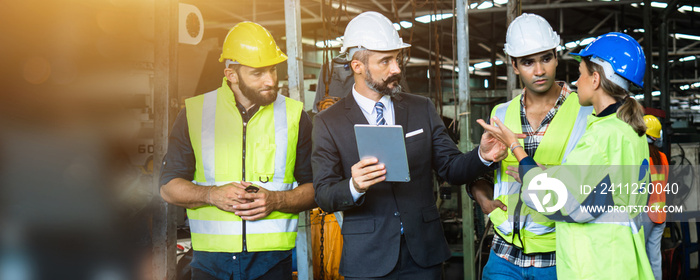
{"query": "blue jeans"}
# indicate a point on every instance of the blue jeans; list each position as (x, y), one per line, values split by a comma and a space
(653, 233)
(498, 268)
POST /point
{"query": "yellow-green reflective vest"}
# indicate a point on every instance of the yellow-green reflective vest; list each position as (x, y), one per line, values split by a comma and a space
(528, 229)
(217, 133)
(601, 244)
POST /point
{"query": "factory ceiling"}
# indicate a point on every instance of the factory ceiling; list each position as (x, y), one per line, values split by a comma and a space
(576, 21)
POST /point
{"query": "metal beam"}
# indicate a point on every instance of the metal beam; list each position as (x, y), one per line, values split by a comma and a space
(664, 84)
(488, 49)
(380, 6)
(311, 13)
(405, 5)
(295, 71)
(165, 108)
(494, 72)
(292, 16)
(685, 53)
(683, 49)
(528, 8)
(442, 57)
(226, 25)
(594, 29)
(555, 6)
(465, 143)
(685, 81)
(513, 11)
(647, 52)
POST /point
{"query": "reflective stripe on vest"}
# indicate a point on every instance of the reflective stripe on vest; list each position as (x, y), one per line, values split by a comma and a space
(571, 122)
(621, 219)
(658, 177)
(234, 227)
(219, 160)
(208, 132)
(657, 197)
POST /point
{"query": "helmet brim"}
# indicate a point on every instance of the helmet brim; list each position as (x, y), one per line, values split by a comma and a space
(577, 56)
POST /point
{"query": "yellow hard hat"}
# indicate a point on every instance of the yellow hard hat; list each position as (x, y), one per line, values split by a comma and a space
(252, 45)
(653, 126)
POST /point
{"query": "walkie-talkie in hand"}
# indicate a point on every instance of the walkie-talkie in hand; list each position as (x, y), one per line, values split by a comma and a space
(250, 189)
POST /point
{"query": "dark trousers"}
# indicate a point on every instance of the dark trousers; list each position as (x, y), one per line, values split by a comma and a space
(281, 271)
(406, 268)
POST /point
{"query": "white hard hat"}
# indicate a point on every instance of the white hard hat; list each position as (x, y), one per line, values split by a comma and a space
(529, 34)
(371, 31)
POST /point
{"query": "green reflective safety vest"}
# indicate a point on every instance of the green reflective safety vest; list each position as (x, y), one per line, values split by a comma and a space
(528, 229)
(226, 150)
(594, 244)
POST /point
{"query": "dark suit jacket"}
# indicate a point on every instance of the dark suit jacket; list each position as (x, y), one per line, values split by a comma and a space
(371, 227)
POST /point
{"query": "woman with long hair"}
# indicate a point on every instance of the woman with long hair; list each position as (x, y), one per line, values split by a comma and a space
(602, 183)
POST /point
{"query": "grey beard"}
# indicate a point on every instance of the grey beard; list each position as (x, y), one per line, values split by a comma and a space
(382, 87)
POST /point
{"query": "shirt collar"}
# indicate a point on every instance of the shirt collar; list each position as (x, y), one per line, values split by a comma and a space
(366, 104)
(610, 109)
(563, 94)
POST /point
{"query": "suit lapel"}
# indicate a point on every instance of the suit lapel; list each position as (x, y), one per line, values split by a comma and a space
(353, 111)
(400, 111)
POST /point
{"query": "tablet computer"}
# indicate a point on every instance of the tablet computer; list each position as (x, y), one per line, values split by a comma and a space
(386, 143)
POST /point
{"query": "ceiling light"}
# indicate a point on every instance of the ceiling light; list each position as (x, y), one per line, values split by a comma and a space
(482, 65)
(485, 5)
(347, 8)
(429, 18)
(329, 44)
(689, 9)
(659, 5)
(587, 41)
(686, 36)
(572, 45)
(687, 58)
(500, 2)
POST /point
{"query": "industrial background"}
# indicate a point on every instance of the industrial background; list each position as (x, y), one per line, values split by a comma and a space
(92, 87)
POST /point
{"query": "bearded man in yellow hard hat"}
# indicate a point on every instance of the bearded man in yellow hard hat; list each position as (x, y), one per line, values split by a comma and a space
(239, 160)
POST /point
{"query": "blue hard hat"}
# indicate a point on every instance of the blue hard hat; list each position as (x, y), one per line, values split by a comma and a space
(622, 52)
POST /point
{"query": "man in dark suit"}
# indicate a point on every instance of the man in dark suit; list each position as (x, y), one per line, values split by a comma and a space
(390, 230)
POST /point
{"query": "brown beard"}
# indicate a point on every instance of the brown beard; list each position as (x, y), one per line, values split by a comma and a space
(255, 96)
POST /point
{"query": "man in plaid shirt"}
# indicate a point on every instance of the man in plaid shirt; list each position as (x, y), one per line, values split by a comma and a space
(531, 44)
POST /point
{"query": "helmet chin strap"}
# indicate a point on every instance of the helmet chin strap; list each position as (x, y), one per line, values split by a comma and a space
(610, 73)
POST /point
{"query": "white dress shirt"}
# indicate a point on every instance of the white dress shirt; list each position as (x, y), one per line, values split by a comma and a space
(367, 108)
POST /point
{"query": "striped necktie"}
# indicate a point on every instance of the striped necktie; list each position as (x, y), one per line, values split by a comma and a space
(380, 113)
